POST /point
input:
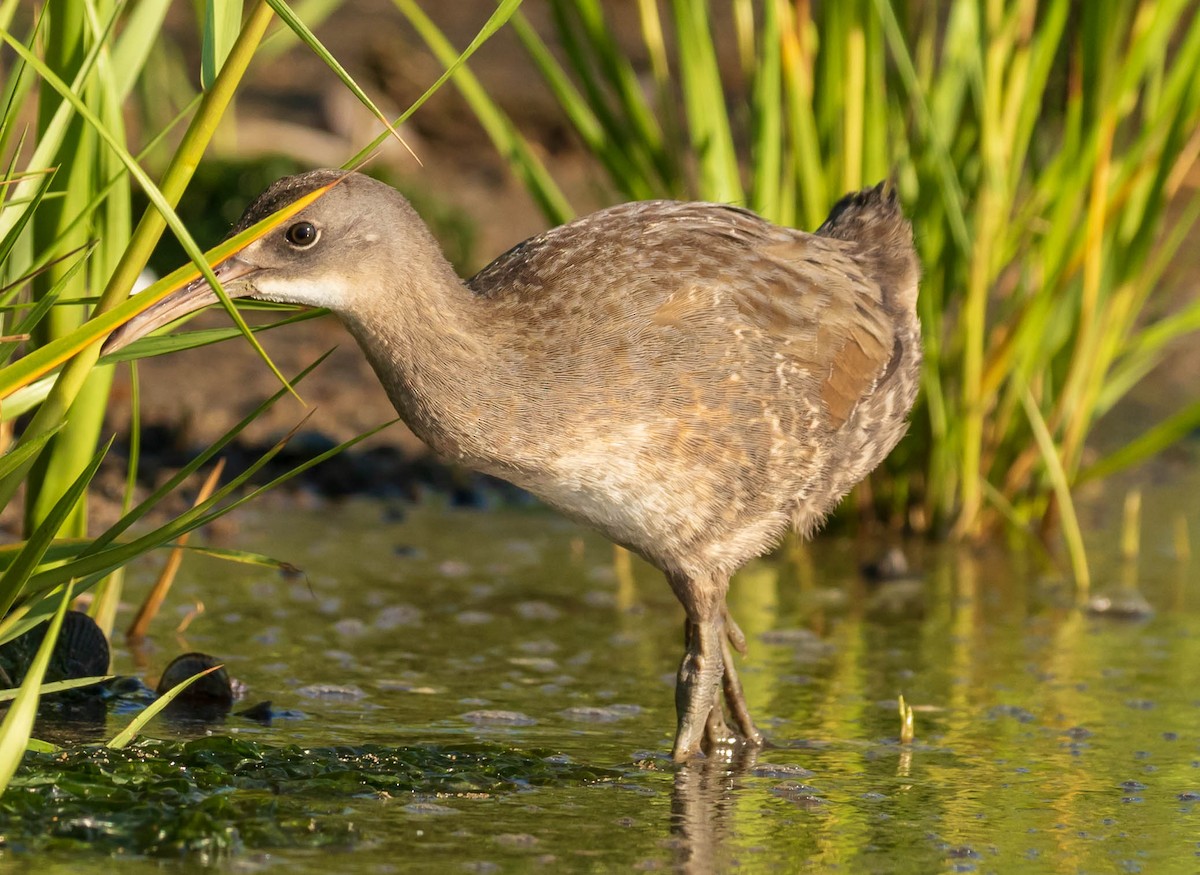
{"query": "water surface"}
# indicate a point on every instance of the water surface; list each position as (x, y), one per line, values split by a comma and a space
(1048, 739)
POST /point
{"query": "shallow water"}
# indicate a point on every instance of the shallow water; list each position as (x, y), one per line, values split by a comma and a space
(1047, 739)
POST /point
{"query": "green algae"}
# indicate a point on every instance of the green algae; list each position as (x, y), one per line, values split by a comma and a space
(225, 795)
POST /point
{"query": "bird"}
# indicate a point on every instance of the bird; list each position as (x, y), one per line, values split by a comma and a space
(687, 378)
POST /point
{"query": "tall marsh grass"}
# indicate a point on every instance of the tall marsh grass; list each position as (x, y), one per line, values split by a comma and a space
(70, 253)
(1037, 146)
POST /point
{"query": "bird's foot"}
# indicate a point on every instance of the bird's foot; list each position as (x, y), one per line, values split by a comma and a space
(706, 671)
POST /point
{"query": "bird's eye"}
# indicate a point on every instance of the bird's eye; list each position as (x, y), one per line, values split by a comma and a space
(302, 234)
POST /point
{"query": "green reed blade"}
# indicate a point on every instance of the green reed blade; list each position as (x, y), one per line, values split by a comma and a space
(29, 396)
(1062, 491)
(201, 459)
(504, 136)
(58, 686)
(138, 723)
(15, 576)
(766, 148)
(26, 212)
(52, 132)
(288, 17)
(504, 11)
(93, 561)
(72, 380)
(26, 450)
(619, 165)
(222, 19)
(719, 178)
(18, 722)
(139, 33)
(241, 557)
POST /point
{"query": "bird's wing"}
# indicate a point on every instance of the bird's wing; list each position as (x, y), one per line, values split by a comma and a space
(825, 315)
(809, 299)
(692, 268)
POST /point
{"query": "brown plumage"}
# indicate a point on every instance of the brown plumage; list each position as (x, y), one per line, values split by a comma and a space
(686, 378)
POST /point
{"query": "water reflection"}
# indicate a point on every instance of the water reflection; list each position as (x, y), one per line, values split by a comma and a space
(703, 807)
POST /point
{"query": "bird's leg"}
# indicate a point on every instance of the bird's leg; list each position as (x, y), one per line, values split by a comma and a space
(707, 671)
(697, 687)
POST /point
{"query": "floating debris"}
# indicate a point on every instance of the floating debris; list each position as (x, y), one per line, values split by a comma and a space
(791, 772)
(498, 718)
(333, 692)
(892, 565)
(603, 714)
(395, 616)
(1125, 604)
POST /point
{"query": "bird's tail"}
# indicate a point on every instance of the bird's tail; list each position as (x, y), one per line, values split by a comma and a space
(873, 220)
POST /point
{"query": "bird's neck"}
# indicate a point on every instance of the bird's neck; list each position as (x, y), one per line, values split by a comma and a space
(431, 345)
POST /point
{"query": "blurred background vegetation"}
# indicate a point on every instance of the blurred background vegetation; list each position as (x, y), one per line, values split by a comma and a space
(1040, 148)
(1047, 152)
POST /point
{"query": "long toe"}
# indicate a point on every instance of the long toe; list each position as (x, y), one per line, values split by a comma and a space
(735, 699)
(733, 632)
(717, 734)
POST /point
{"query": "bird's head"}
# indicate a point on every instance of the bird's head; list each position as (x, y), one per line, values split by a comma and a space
(317, 257)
